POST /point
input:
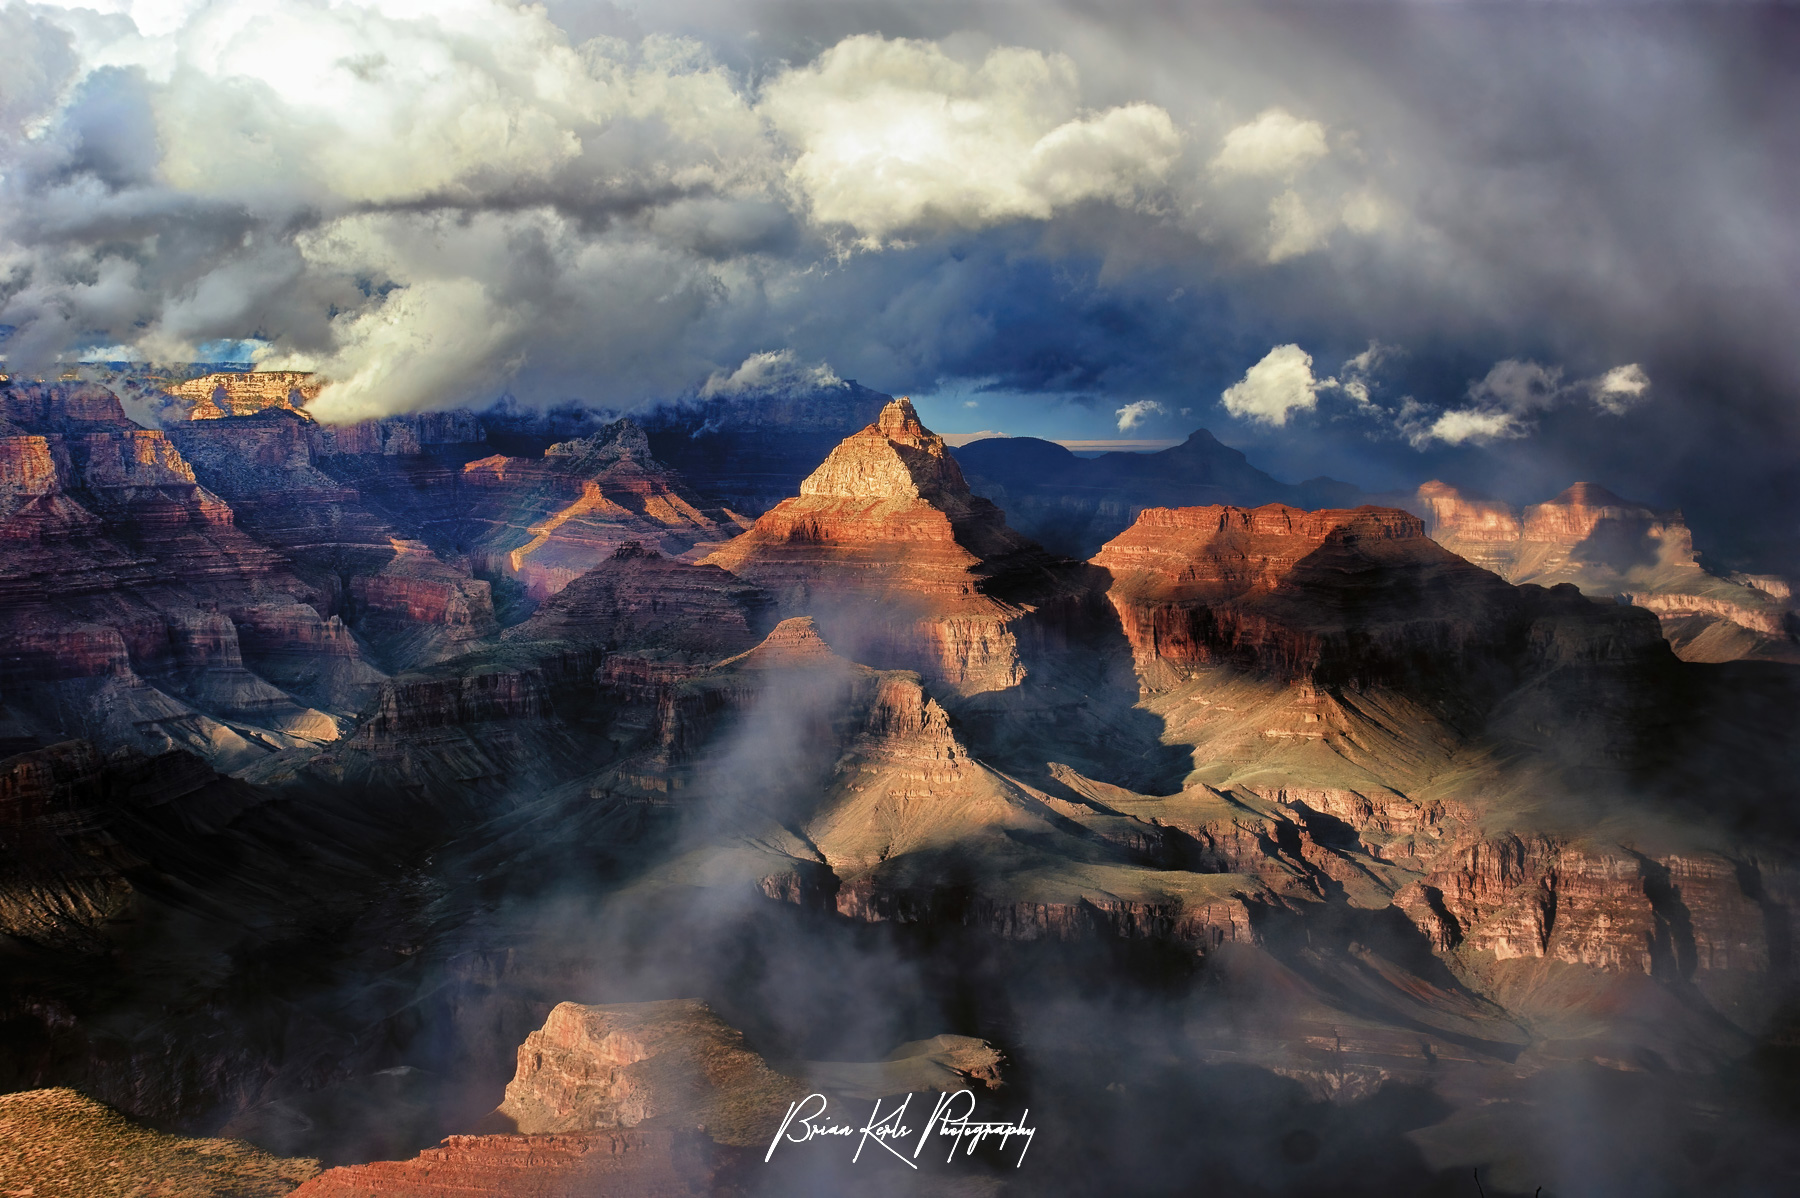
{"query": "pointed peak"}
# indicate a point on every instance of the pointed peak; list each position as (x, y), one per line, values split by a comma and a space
(901, 418)
(793, 642)
(1590, 495)
(896, 457)
(621, 438)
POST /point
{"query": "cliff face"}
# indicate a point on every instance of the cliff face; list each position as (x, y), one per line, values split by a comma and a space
(1336, 597)
(637, 599)
(126, 579)
(1608, 546)
(887, 548)
(590, 1068)
(242, 393)
(546, 521)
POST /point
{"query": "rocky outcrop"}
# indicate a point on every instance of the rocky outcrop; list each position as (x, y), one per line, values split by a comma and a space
(59, 1144)
(592, 1068)
(640, 1162)
(648, 1098)
(413, 704)
(638, 599)
(546, 521)
(241, 393)
(898, 561)
(1690, 916)
(417, 609)
(1357, 598)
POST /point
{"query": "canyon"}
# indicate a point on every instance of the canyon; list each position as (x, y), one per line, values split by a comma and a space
(483, 803)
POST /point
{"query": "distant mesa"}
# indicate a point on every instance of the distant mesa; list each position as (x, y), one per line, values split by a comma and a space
(244, 393)
(1612, 547)
(1336, 597)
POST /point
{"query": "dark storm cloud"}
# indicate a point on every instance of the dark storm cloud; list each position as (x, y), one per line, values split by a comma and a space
(1134, 202)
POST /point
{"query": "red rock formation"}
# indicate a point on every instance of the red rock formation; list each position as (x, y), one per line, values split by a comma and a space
(125, 576)
(549, 520)
(419, 609)
(412, 704)
(242, 393)
(590, 1068)
(887, 548)
(640, 600)
(1609, 546)
(640, 1162)
(1687, 916)
(1332, 596)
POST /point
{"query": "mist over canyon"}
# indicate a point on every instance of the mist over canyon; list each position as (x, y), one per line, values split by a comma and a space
(1172, 602)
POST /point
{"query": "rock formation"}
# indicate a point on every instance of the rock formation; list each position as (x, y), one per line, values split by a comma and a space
(889, 551)
(646, 1099)
(123, 587)
(594, 1068)
(242, 393)
(1335, 597)
(58, 1144)
(1609, 546)
(546, 521)
(639, 600)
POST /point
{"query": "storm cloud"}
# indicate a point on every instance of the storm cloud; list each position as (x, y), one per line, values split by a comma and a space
(1124, 206)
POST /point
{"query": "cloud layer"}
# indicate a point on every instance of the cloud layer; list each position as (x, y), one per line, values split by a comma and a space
(1119, 211)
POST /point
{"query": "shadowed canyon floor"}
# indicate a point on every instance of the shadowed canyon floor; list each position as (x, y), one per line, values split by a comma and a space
(536, 824)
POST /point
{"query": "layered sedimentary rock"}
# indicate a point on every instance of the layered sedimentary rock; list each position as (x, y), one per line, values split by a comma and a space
(122, 587)
(242, 393)
(592, 1068)
(639, 600)
(639, 1162)
(1609, 546)
(647, 1098)
(1358, 597)
(417, 608)
(546, 521)
(64, 872)
(887, 548)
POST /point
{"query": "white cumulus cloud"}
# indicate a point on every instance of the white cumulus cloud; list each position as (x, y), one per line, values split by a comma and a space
(892, 135)
(1620, 389)
(1136, 412)
(1276, 143)
(1462, 425)
(1279, 384)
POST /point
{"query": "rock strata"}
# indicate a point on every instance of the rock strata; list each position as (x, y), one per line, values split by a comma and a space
(898, 561)
(1609, 546)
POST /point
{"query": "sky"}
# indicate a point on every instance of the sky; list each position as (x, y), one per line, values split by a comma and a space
(1509, 245)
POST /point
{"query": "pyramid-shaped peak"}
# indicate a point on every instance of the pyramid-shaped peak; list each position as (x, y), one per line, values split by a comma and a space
(897, 457)
(793, 642)
(1591, 495)
(901, 419)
